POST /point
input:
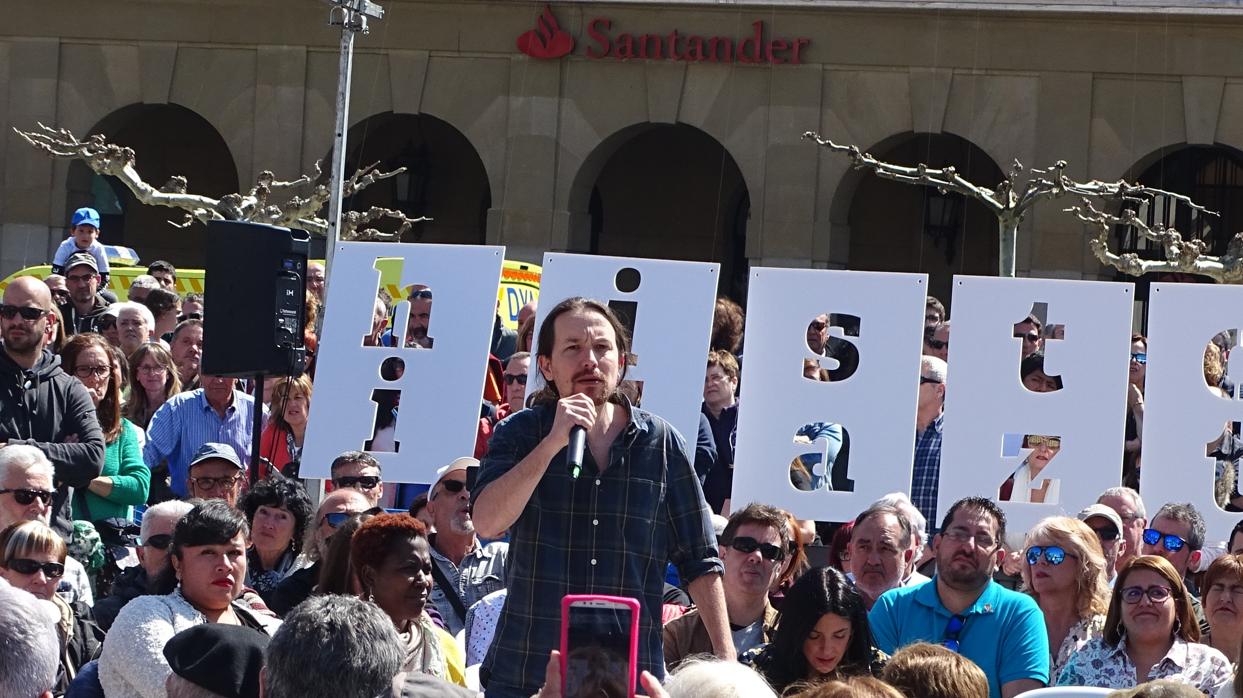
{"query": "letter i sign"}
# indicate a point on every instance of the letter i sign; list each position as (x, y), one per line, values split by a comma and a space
(548, 39)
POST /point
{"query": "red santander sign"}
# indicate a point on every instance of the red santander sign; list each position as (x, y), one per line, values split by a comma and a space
(549, 40)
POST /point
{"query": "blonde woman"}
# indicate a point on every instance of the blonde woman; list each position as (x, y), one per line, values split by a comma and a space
(1063, 569)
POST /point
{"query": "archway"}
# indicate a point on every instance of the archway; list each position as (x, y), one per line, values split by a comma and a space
(444, 179)
(167, 140)
(667, 192)
(900, 227)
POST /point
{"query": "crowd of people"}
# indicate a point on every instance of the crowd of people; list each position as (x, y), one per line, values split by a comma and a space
(138, 557)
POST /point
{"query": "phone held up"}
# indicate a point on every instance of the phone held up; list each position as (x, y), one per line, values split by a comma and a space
(599, 646)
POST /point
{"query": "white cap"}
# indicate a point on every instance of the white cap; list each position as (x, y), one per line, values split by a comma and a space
(459, 464)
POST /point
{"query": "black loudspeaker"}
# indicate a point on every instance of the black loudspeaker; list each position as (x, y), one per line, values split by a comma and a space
(256, 287)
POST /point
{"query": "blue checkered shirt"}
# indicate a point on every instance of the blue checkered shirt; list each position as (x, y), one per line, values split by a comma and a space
(927, 472)
(604, 533)
(186, 421)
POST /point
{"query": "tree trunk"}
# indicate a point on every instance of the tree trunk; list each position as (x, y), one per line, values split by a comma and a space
(1008, 230)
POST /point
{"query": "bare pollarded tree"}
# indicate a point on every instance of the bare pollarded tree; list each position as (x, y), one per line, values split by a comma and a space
(1010, 200)
(270, 201)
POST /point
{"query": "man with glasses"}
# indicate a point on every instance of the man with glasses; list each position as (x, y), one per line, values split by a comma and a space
(1107, 525)
(963, 609)
(85, 304)
(156, 538)
(754, 547)
(335, 510)
(216, 473)
(926, 473)
(420, 317)
(40, 404)
(27, 493)
(1134, 516)
(937, 340)
(515, 377)
(360, 471)
(464, 569)
(1177, 534)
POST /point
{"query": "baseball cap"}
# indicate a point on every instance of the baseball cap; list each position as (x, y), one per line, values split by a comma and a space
(209, 451)
(1103, 511)
(459, 464)
(86, 215)
(78, 258)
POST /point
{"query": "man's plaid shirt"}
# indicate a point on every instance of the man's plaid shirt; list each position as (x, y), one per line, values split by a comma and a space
(604, 533)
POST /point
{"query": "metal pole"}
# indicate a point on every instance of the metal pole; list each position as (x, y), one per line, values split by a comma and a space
(345, 73)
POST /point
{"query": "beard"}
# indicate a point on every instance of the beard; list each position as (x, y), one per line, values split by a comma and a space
(22, 341)
(964, 577)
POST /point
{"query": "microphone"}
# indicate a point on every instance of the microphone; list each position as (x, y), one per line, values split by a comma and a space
(574, 450)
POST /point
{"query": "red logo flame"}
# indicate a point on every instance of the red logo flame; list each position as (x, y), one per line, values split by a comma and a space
(548, 39)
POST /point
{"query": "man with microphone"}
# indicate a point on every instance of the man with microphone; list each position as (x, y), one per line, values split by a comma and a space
(605, 523)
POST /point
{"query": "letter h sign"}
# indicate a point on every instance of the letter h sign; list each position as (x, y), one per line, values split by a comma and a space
(437, 385)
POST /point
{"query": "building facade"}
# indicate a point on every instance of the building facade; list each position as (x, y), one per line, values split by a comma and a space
(668, 129)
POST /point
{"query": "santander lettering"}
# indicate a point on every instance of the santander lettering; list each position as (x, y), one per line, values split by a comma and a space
(754, 48)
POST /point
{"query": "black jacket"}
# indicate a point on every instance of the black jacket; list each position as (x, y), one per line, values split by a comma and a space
(43, 406)
(76, 323)
(129, 585)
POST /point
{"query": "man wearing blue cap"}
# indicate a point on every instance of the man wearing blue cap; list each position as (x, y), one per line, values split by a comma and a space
(83, 237)
(215, 473)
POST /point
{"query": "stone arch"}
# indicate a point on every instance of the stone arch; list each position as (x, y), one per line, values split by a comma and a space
(900, 227)
(445, 179)
(168, 140)
(667, 191)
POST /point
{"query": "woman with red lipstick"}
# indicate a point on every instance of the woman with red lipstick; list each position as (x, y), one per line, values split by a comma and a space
(393, 560)
(1063, 568)
(823, 634)
(207, 567)
(1223, 605)
(1150, 633)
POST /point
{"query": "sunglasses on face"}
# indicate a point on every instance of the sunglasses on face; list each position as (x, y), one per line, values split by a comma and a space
(51, 570)
(511, 378)
(1054, 555)
(362, 482)
(27, 497)
(936, 344)
(1170, 541)
(189, 316)
(1050, 441)
(1140, 358)
(1155, 594)
(1032, 337)
(425, 294)
(1106, 534)
(211, 483)
(924, 380)
(747, 545)
(8, 312)
(453, 486)
(953, 630)
(335, 519)
(817, 326)
(160, 541)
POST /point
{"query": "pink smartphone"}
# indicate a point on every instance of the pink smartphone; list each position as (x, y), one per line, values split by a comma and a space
(599, 646)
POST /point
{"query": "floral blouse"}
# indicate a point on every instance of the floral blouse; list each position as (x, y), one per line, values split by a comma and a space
(1080, 634)
(1103, 665)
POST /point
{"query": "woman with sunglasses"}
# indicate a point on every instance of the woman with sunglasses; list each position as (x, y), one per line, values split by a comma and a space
(202, 584)
(1150, 633)
(278, 512)
(124, 481)
(391, 557)
(155, 380)
(32, 557)
(281, 441)
(1223, 605)
(823, 634)
(1025, 483)
(1136, 375)
(1064, 571)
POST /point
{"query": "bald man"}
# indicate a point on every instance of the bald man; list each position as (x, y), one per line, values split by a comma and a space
(336, 508)
(41, 405)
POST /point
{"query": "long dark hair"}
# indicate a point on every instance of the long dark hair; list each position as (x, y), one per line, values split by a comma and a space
(109, 410)
(821, 590)
(212, 522)
(547, 338)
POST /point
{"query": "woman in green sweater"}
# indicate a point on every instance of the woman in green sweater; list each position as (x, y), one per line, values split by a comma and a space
(125, 479)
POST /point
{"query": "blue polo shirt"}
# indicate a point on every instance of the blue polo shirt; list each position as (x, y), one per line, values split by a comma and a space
(1004, 634)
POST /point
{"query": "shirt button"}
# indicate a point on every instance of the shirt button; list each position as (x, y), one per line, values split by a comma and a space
(593, 562)
(595, 522)
(597, 482)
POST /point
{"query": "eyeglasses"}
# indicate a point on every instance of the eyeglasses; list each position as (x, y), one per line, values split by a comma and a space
(152, 370)
(511, 378)
(1155, 594)
(362, 482)
(80, 278)
(1171, 542)
(88, 371)
(1106, 534)
(1032, 337)
(51, 570)
(212, 483)
(1054, 555)
(8, 312)
(748, 545)
(937, 344)
(1037, 441)
(189, 316)
(61, 296)
(336, 518)
(817, 326)
(924, 380)
(953, 630)
(960, 535)
(1140, 358)
(26, 497)
(160, 541)
(425, 293)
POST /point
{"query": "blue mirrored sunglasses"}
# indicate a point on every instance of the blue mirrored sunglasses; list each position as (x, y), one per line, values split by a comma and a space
(1170, 541)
